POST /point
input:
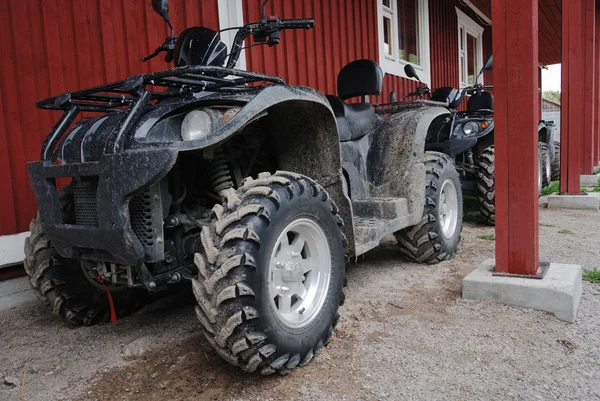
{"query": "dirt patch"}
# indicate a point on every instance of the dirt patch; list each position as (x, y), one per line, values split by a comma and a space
(404, 333)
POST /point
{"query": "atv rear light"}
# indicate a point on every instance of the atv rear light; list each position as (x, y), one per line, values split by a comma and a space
(196, 124)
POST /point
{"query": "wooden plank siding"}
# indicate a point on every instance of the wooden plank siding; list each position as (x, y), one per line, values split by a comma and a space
(346, 31)
(549, 22)
(52, 46)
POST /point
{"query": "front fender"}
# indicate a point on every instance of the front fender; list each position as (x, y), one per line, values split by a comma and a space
(303, 130)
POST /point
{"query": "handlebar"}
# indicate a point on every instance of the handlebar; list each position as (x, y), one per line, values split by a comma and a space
(266, 31)
(298, 23)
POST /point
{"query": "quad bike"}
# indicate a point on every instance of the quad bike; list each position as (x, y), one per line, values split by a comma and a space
(468, 138)
(549, 152)
(161, 195)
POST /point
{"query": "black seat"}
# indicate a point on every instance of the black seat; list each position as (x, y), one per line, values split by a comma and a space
(358, 78)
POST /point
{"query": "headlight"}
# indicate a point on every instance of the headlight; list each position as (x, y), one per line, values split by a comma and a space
(470, 128)
(196, 124)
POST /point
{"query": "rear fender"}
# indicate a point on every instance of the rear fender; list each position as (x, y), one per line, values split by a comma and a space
(395, 162)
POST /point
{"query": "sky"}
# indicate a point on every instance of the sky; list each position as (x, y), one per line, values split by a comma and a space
(551, 78)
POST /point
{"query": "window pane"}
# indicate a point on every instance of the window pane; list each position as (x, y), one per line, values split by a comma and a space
(462, 38)
(408, 31)
(471, 58)
(387, 37)
(461, 68)
(387, 3)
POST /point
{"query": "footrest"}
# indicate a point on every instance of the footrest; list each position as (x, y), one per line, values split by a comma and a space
(380, 208)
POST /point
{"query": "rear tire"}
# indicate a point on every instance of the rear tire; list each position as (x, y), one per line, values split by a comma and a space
(251, 274)
(545, 164)
(486, 186)
(61, 285)
(556, 162)
(437, 235)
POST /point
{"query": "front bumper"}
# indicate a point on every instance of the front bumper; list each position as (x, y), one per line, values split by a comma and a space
(105, 232)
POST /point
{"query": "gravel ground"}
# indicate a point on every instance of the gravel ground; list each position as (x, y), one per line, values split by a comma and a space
(405, 333)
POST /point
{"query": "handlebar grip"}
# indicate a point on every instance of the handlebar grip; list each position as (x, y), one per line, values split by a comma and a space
(299, 23)
(487, 87)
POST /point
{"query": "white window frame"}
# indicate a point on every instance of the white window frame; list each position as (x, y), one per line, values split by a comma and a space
(231, 14)
(393, 64)
(474, 29)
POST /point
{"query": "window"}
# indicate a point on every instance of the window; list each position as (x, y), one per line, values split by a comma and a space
(404, 36)
(470, 49)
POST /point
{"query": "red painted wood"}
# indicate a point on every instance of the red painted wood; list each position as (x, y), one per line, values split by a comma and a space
(515, 72)
(597, 90)
(549, 22)
(53, 46)
(572, 99)
(590, 72)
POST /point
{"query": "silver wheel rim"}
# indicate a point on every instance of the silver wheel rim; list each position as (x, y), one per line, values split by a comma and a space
(299, 273)
(448, 208)
(548, 169)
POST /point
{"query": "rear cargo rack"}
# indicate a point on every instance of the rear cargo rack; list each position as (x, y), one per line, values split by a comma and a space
(394, 107)
(136, 92)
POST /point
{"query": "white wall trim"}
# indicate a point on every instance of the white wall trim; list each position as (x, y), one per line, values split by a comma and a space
(11, 249)
(231, 14)
(478, 11)
(395, 66)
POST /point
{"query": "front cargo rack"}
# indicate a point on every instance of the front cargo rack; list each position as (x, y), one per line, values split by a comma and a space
(136, 92)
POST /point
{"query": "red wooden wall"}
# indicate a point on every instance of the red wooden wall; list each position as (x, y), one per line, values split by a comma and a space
(52, 46)
(346, 30)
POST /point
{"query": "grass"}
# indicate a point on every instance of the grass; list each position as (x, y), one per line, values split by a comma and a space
(592, 276)
(552, 188)
(564, 231)
(489, 237)
(546, 225)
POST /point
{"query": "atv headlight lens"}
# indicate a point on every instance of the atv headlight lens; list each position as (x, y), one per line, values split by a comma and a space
(196, 124)
(470, 128)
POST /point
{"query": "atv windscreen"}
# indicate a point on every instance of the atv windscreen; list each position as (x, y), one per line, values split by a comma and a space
(199, 46)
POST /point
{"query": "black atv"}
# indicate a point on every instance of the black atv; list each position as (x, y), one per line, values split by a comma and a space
(160, 196)
(468, 138)
(549, 152)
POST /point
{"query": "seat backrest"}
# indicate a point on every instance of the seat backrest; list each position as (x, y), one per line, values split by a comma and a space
(360, 78)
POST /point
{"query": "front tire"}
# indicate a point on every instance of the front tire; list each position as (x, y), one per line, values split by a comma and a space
(437, 235)
(60, 284)
(486, 186)
(546, 164)
(271, 274)
(556, 162)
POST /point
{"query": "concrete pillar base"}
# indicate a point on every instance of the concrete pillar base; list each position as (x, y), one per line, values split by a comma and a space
(559, 292)
(584, 201)
(589, 180)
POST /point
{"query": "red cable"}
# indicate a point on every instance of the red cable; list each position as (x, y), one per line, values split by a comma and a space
(113, 313)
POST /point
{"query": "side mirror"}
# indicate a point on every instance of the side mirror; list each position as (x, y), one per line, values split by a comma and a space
(489, 63)
(410, 72)
(162, 8)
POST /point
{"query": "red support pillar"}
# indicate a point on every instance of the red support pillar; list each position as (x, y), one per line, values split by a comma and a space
(515, 48)
(597, 89)
(571, 116)
(589, 110)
